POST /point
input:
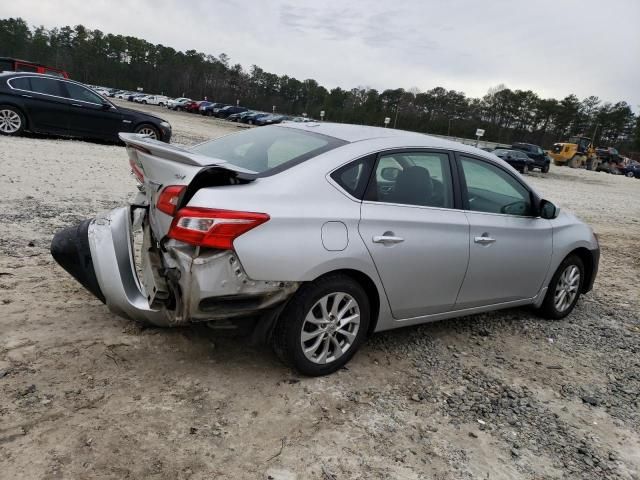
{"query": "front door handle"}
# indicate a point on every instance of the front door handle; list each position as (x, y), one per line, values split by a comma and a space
(76, 105)
(484, 239)
(387, 239)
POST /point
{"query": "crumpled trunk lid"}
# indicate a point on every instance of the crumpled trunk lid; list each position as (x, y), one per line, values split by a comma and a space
(158, 165)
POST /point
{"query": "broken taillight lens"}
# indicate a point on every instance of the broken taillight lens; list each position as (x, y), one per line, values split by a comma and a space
(168, 199)
(206, 227)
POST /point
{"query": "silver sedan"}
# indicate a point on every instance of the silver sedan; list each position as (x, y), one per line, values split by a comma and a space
(314, 235)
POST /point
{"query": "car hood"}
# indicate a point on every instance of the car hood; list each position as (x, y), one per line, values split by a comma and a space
(137, 113)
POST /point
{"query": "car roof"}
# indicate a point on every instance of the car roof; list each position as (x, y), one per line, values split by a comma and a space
(357, 133)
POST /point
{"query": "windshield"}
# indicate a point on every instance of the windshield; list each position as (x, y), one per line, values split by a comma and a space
(268, 150)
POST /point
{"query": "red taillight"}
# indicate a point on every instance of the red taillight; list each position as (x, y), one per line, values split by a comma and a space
(168, 199)
(206, 227)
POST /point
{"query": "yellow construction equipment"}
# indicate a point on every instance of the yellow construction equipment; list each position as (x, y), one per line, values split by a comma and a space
(575, 153)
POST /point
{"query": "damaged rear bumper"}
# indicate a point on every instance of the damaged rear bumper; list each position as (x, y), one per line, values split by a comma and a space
(176, 285)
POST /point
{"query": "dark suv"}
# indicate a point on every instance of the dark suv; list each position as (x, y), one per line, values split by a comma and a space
(535, 153)
(46, 104)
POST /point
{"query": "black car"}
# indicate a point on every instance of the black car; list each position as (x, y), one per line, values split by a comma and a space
(46, 104)
(212, 109)
(517, 159)
(229, 110)
(540, 159)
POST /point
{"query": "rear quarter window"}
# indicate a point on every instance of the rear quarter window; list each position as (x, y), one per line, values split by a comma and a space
(22, 83)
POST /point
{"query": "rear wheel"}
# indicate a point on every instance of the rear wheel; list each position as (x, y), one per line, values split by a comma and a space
(149, 130)
(323, 325)
(574, 162)
(12, 121)
(630, 174)
(564, 289)
(525, 169)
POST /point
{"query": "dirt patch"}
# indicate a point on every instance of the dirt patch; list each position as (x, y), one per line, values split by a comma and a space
(86, 394)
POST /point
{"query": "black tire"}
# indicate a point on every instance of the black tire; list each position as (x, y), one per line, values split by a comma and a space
(286, 339)
(545, 169)
(9, 115)
(548, 309)
(145, 128)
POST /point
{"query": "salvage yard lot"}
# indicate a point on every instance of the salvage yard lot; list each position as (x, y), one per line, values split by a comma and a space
(84, 393)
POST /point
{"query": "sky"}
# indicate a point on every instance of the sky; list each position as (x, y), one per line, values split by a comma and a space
(553, 47)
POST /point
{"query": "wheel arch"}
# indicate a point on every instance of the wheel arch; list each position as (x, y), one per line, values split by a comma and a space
(588, 262)
(370, 289)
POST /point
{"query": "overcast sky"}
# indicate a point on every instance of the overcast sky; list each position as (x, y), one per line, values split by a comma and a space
(553, 47)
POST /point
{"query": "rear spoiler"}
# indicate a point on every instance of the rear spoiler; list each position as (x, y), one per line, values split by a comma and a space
(165, 150)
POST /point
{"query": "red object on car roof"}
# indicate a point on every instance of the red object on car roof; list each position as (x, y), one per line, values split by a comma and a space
(16, 65)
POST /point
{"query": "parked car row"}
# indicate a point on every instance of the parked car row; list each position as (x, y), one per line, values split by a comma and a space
(234, 113)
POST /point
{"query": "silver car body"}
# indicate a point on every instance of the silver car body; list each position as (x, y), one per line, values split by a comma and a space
(441, 268)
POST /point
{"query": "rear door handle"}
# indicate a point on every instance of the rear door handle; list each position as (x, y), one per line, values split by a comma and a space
(76, 105)
(387, 239)
(484, 240)
(26, 96)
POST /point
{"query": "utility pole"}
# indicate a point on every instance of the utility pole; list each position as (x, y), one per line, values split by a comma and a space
(395, 120)
(449, 129)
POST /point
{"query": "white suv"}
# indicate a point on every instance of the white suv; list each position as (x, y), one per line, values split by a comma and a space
(156, 100)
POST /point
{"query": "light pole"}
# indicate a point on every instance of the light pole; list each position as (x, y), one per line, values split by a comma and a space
(386, 121)
(449, 129)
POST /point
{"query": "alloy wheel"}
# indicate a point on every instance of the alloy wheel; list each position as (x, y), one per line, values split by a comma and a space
(10, 121)
(330, 327)
(148, 131)
(567, 288)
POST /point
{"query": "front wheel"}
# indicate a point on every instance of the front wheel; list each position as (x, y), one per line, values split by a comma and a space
(148, 130)
(545, 169)
(525, 169)
(12, 121)
(564, 289)
(323, 325)
(630, 174)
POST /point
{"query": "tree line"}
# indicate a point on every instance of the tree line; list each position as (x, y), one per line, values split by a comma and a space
(506, 115)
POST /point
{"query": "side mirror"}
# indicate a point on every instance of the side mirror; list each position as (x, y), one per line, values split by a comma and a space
(548, 210)
(390, 174)
(106, 106)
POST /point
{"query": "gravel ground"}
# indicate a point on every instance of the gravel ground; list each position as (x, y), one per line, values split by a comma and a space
(86, 394)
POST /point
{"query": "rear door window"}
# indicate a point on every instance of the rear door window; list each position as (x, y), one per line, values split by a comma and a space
(46, 86)
(412, 178)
